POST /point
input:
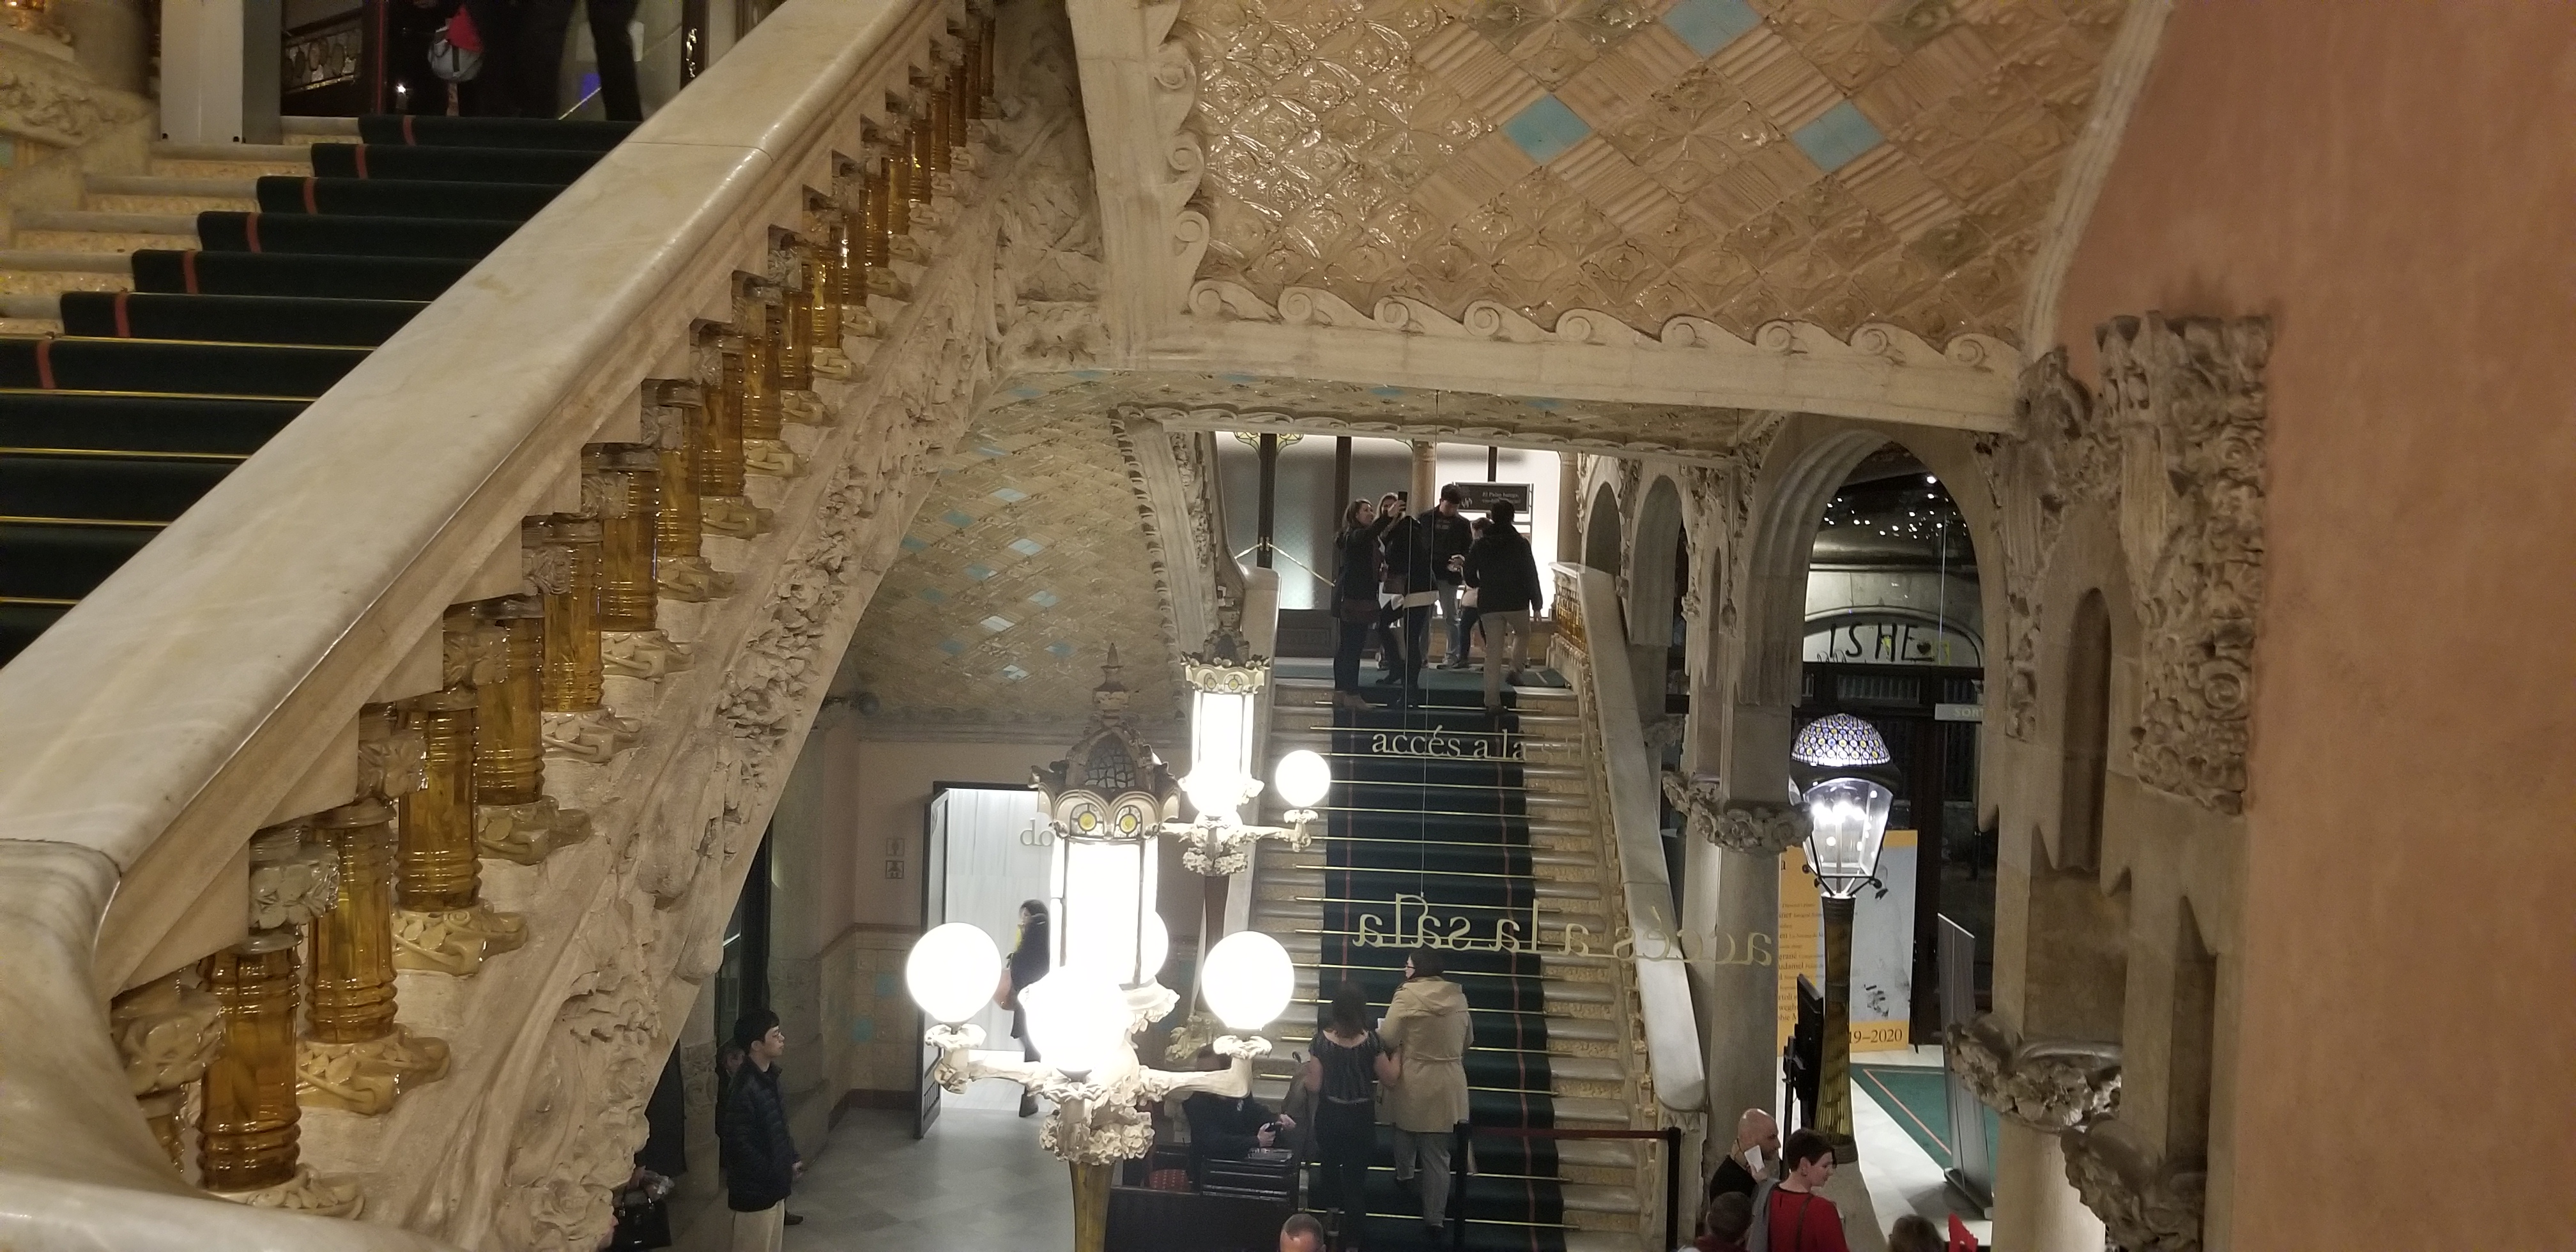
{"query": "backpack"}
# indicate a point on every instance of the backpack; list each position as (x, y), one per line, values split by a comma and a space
(1757, 1237)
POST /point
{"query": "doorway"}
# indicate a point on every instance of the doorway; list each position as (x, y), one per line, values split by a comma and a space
(984, 852)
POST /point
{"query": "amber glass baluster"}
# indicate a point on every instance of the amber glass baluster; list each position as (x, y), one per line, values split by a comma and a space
(509, 743)
(719, 470)
(625, 497)
(438, 869)
(248, 1132)
(352, 985)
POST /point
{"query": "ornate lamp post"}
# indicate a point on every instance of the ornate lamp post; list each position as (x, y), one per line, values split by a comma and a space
(1225, 708)
(1107, 806)
(1844, 767)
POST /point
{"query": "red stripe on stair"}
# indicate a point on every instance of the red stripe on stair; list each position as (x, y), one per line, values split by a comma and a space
(407, 135)
(124, 327)
(250, 230)
(188, 270)
(45, 363)
(362, 160)
(309, 206)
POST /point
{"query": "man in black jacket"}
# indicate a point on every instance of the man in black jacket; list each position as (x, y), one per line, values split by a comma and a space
(1505, 577)
(1411, 574)
(761, 1164)
(1450, 537)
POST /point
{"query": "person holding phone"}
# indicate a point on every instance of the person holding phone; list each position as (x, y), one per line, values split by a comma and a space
(1754, 1159)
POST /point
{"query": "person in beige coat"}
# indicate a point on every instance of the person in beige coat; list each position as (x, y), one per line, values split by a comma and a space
(1428, 1028)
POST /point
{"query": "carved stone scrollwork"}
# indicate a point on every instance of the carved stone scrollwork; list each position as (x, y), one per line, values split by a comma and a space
(1746, 826)
(291, 882)
(2049, 1085)
(2187, 398)
(168, 1031)
(642, 654)
(2145, 1205)
(2176, 447)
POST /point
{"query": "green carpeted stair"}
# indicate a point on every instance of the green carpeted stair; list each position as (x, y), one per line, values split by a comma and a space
(160, 334)
(1440, 804)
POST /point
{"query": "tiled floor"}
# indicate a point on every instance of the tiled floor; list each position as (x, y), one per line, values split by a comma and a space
(979, 1183)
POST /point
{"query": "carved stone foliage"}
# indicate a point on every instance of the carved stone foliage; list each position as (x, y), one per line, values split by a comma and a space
(2145, 1205)
(52, 100)
(1575, 160)
(1746, 826)
(2175, 448)
(575, 1141)
(2188, 400)
(2049, 1085)
(1048, 217)
(168, 1031)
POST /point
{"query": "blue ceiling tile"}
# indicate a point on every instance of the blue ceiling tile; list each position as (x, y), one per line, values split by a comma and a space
(952, 646)
(1027, 547)
(1009, 495)
(1708, 25)
(1044, 599)
(933, 594)
(1838, 138)
(957, 519)
(911, 544)
(979, 572)
(997, 623)
(1061, 650)
(1014, 673)
(1546, 129)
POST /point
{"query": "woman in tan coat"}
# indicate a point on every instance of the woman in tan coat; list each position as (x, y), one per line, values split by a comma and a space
(1428, 1028)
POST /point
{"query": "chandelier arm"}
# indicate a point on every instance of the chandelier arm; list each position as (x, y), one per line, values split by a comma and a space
(1233, 1081)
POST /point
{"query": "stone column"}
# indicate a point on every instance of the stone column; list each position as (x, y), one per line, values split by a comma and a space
(1743, 1004)
(2036, 1208)
(1426, 476)
(220, 70)
(1569, 507)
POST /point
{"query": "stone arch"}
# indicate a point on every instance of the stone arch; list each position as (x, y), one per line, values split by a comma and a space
(1603, 547)
(1801, 471)
(1662, 533)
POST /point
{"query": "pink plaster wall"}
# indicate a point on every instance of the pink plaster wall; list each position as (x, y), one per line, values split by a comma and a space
(2394, 184)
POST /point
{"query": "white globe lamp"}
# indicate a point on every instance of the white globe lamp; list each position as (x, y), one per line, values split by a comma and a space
(952, 972)
(1248, 980)
(1304, 779)
(1078, 1019)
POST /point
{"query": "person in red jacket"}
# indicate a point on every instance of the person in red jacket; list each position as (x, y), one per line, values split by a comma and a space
(1800, 1220)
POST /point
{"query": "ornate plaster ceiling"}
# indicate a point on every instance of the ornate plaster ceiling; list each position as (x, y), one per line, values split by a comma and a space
(1027, 562)
(1836, 161)
(1245, 402)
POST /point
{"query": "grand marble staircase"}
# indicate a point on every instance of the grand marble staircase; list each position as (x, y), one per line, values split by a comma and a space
(84, 249)
(1581, 1195)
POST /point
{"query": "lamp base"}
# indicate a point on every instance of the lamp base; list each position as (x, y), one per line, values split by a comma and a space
(1090, 1206)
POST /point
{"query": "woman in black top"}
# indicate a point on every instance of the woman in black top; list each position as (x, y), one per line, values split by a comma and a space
(1343, 1072)
(1354, 598)
(1030, 960)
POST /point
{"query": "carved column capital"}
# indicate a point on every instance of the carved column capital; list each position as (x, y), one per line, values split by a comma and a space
(2146, 1205)
(1747, 826)
(2049, 1085)
(167, 1030)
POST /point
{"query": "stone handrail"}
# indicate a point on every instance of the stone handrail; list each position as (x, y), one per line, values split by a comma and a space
(211, 686)
(1589, 599)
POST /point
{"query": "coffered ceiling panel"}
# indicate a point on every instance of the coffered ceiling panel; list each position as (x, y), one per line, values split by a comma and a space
(1027, 562)
(1835, 161)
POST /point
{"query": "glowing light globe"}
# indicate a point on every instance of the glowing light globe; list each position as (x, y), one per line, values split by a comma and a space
(1304, 779)
(952, 971)
(1153, 947)
(1078, 1018)
(1248, 980)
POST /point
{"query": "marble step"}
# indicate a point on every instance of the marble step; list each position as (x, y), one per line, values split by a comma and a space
(86, 231)
(1558, 991)
(1281, 917)
(1596, 1198)
(163, 193)
(1310, 883)
(28, 272)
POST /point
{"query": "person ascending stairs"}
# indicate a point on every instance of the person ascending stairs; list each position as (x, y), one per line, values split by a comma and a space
(1505, 578)
(1428, 1028)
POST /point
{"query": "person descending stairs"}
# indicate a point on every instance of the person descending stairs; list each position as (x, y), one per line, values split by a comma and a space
(153, 373)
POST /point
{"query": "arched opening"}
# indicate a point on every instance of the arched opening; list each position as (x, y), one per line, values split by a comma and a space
(1894, 630)
(1602, 541)
(2079, 952)
(1658, 644)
